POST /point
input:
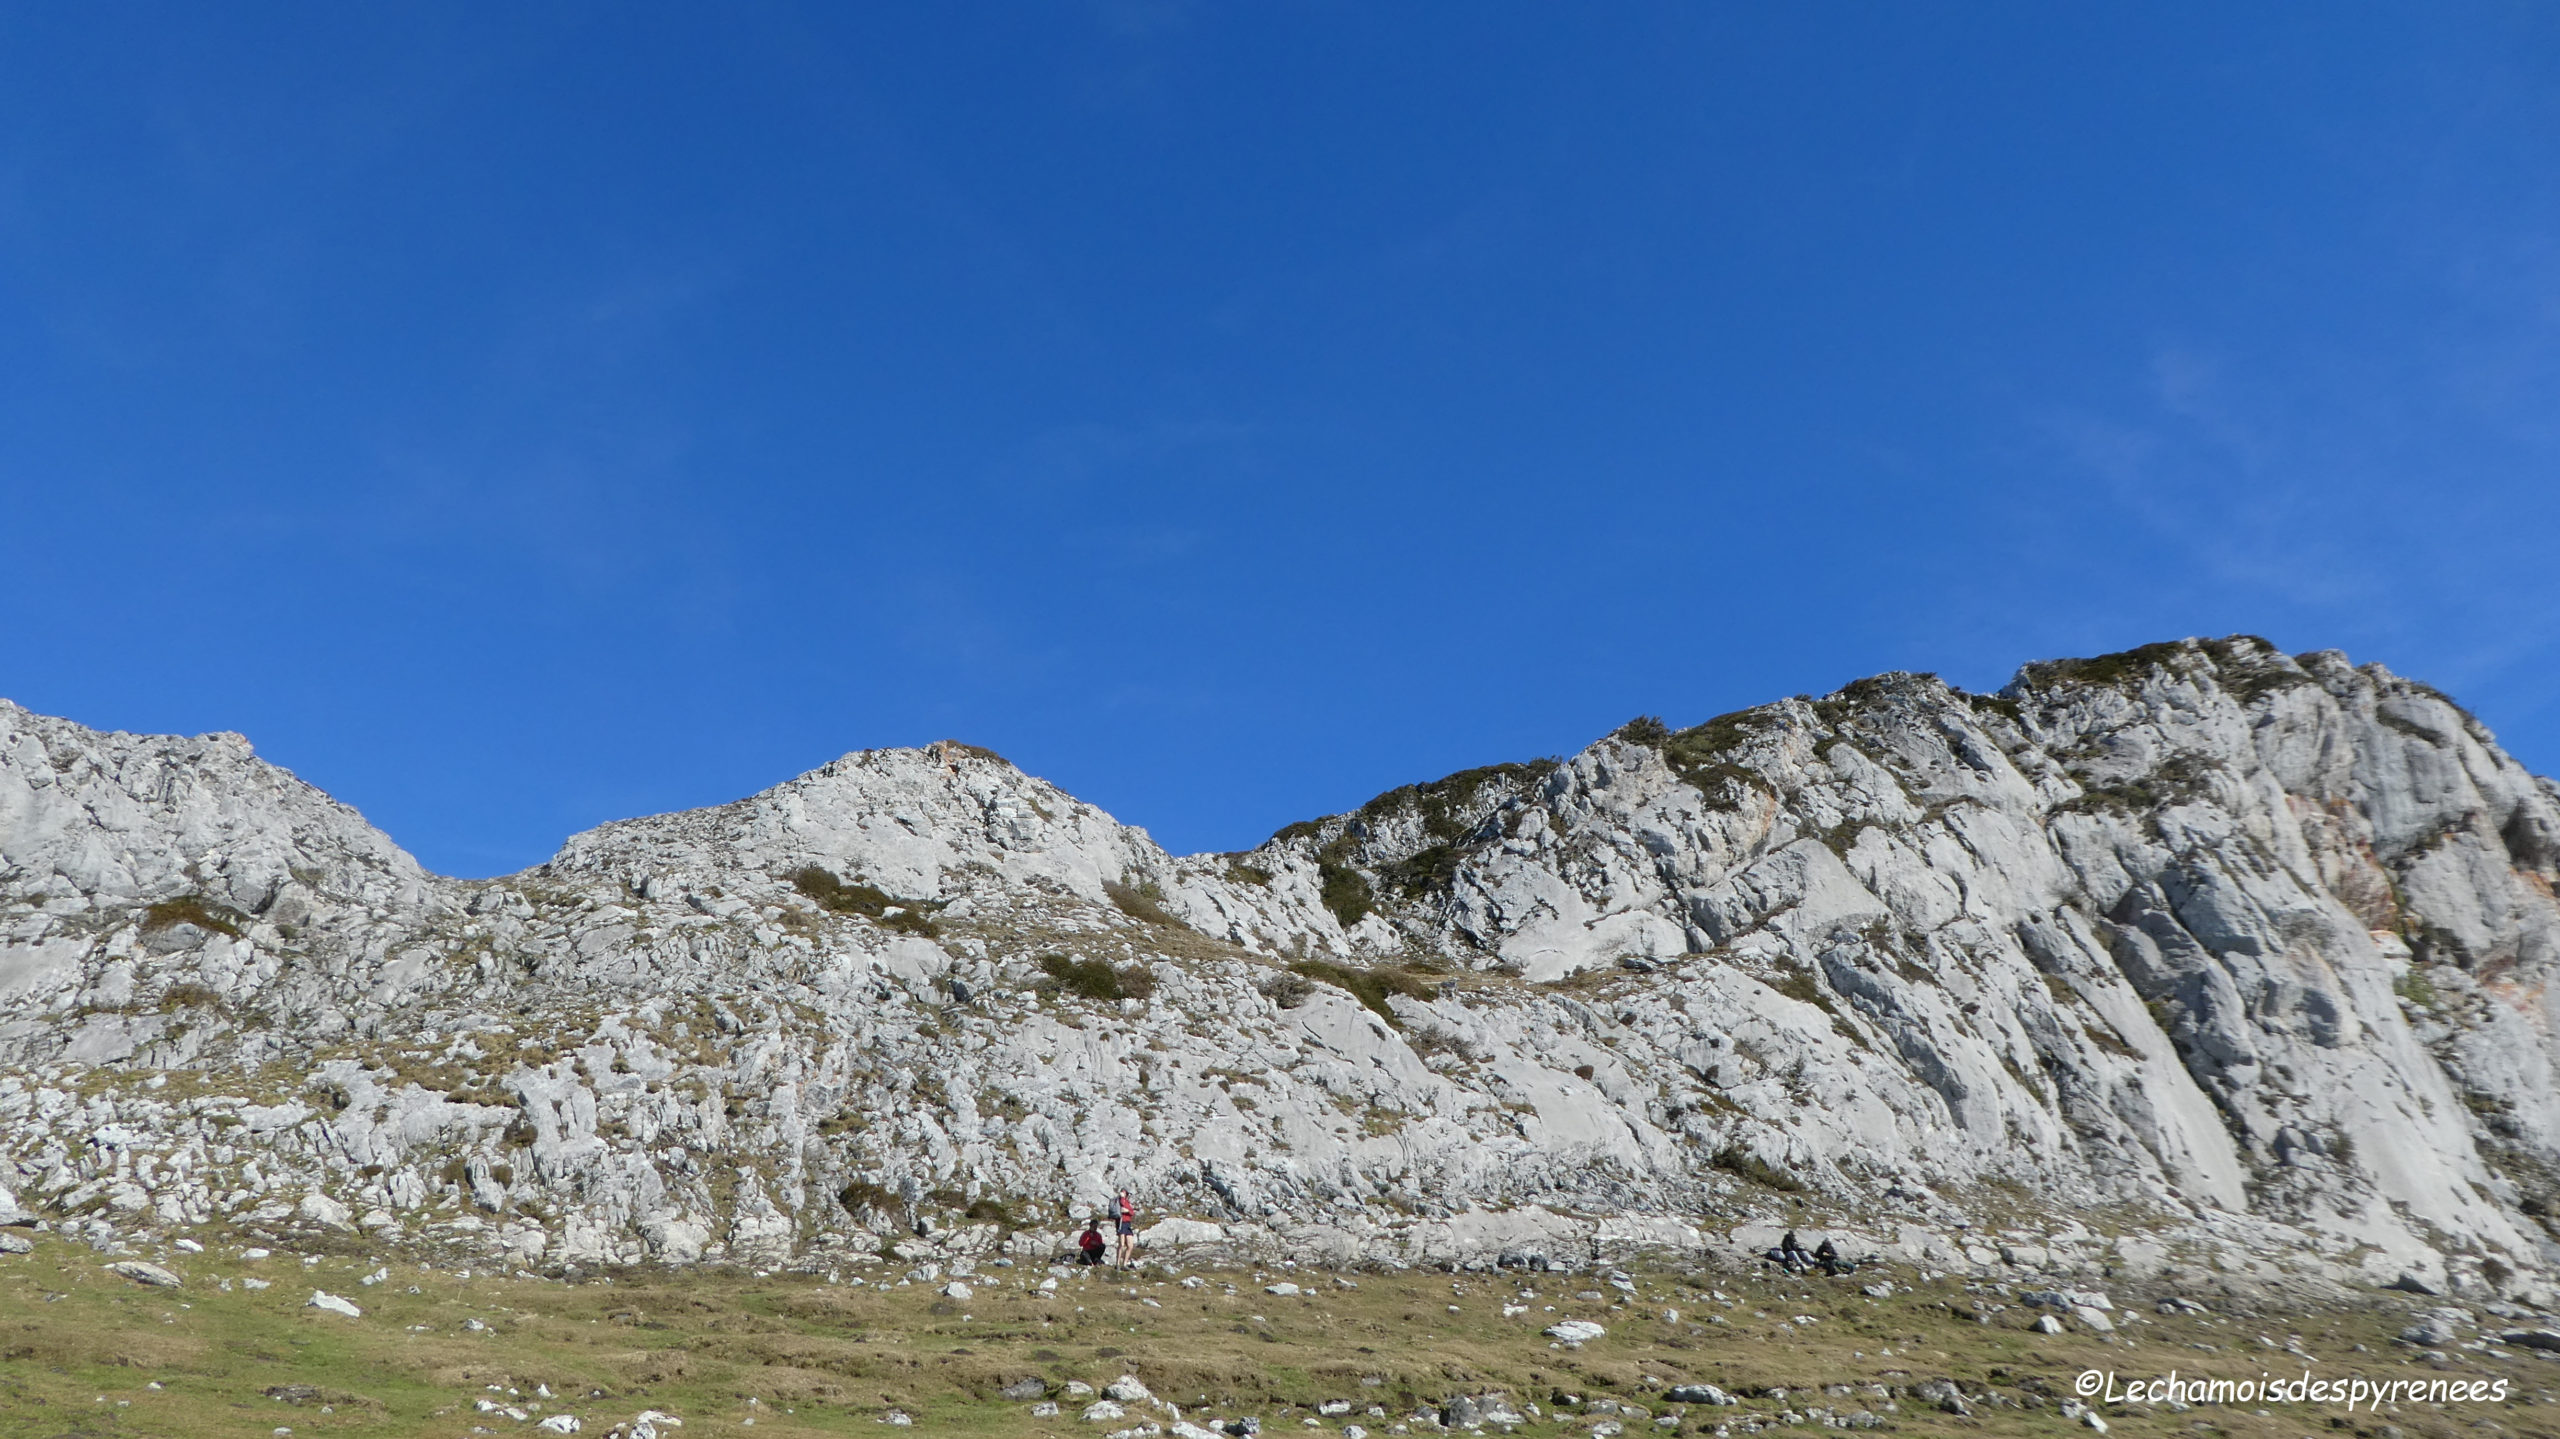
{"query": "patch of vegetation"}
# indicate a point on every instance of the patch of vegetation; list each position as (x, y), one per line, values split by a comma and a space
(1838, 708)
(1141, 901)
(1097, 979)
(802, 1356)
(2178, 780)
(2001, 705)
(1440, 806)
(1370, 986)
(189, 996)
(862, 1197)
(2109, 670)
(194, 909)
(2249, 675)
(1345, 891)
(1288, 990)
(1431, 1039)
(1429, 871)
(1735, 1160)
(907, 916)
(1239, 872)
(2414, 987)
(1438, 802)
(1702, 754)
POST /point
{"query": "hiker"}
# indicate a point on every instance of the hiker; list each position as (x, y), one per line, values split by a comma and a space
(1090, 1245)
(1791, 1253)
(1125, 1220)
(1829, 1258)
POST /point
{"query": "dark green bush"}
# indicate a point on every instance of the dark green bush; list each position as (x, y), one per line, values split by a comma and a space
(1345, 891)
(1097, 979)
(887, 910)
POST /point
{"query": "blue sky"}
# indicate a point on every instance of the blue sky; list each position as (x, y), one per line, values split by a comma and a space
(515, 418)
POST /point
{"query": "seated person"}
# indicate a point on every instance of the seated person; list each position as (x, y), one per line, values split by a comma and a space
(1091, 1244)
(1829, 1258)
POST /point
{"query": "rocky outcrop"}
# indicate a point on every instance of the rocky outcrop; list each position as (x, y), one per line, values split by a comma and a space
(2235, 956)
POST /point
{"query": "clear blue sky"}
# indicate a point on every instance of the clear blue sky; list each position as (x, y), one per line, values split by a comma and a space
(518, 417)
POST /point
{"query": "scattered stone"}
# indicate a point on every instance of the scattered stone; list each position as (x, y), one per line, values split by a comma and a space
(323, 1299)
(2047, 1324)
(2546, 1340)
(1127, 1390)
(16, 1244)
(1575, 1331)
(1025, 1389)
(1045, 1409)
(1697, 1394)
(1101, 1410)
(1284, 1290)
(560, 1424)
(957, 1290)
(141, 1272)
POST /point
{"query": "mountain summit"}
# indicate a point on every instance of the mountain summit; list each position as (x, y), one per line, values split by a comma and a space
(2199, 954)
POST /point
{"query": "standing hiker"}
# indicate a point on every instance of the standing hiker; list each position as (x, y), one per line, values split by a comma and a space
(1125, 1218)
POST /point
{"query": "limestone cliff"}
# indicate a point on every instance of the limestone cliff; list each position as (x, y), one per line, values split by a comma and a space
(2198, 950)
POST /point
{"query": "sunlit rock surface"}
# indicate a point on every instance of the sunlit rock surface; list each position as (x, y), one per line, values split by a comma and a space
(2196, 954)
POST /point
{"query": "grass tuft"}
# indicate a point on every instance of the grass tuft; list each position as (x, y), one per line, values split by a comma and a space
(1370, 986)
(907, 916)
(192, 909)
(1097, 979)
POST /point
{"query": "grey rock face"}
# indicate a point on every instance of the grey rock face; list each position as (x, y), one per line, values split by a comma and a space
(2256, 945)
(144, 1273)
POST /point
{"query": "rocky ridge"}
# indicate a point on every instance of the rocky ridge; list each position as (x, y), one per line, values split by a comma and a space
(2196, 955)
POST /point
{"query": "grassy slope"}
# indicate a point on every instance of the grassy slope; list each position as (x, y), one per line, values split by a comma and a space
(79, 1348)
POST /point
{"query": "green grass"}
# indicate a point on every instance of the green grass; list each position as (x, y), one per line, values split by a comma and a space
(81, 1351)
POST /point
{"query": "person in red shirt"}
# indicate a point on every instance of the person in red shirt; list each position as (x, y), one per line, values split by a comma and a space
(1125, 1219)
(1091, 1242)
